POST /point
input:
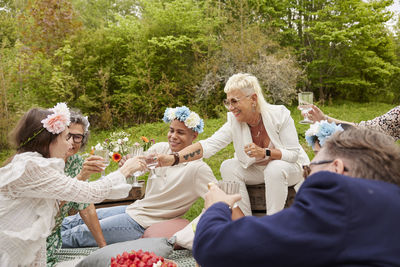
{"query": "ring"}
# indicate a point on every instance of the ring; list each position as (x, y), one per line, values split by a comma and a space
(248, 152)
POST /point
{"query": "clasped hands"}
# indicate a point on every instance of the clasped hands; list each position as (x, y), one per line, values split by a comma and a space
(254, 151)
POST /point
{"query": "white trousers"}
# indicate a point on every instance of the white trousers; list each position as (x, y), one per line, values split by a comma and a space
(277, 176)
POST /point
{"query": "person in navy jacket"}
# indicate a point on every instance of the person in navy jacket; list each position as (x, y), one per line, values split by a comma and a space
(337, 218)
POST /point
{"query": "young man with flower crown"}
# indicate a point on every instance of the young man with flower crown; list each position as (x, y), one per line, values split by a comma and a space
(168, 196)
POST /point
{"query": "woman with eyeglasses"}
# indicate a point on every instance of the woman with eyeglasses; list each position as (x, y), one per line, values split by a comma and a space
(77, 167)
(267, 149)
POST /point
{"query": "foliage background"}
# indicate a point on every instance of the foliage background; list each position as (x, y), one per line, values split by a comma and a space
(122, 62)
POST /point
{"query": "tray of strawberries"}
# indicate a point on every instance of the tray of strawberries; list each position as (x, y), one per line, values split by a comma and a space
(140, 259)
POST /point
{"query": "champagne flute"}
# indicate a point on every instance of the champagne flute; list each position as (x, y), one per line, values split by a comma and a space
(106, 157)
(305, 98)
(151, 161)
(136, 151)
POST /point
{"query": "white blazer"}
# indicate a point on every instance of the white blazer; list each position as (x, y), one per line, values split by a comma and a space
(280, 128)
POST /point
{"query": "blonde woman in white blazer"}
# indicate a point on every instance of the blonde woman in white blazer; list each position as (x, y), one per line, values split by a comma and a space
(267, 149)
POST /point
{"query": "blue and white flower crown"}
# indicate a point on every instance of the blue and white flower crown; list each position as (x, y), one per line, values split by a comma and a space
(320, 131)
(190, 118)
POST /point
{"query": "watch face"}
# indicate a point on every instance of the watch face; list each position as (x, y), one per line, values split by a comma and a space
(268, 152)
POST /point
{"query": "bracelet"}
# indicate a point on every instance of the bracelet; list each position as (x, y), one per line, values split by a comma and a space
(176, 157)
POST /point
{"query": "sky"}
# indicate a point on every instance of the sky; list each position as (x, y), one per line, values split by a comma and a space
(396, 9)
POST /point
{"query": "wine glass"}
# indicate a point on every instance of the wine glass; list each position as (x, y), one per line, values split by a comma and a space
(136, 151)
(151, 161)
(106, 157)
(305, 98)
(230, 188)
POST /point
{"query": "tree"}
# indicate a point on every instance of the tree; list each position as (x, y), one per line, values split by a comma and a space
(348, 52)
(45, 24)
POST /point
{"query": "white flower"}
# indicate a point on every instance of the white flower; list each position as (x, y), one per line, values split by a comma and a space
(98, 147)
(126, 139)
(116, 149)
(193, 120)
(171, 115)
(110, 154)
(313, 130)
(158, 264)
(119, 141)
(61, 108)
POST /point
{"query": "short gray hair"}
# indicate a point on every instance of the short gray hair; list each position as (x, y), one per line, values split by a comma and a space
(78, 118)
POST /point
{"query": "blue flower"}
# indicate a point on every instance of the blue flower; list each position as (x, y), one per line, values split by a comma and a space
(311, 140)
(182, 113)
(320, 131)
(199, 128)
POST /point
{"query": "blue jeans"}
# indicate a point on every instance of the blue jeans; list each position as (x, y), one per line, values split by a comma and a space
(117, 226)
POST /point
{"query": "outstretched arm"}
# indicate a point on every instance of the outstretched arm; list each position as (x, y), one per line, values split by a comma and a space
(187, 154)
(317, 115)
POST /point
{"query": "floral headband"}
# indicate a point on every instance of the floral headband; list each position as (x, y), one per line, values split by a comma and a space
(321, 131)
(190, 118)
(54, 123)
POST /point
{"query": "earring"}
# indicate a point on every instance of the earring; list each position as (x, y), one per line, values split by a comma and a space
(253, 107)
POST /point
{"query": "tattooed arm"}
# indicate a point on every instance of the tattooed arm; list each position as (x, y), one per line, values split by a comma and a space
(189, 153)
(204, 148)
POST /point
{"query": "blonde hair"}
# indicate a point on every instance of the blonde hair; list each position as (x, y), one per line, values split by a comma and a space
(248, 84)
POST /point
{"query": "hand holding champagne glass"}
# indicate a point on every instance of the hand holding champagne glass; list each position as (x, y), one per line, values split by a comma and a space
(136, 151)
(151, 161)
(305, 102)
(104, 153)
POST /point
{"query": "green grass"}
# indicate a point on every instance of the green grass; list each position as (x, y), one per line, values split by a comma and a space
(343, 110)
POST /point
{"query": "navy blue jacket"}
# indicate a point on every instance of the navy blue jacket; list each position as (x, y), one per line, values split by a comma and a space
(335, 220)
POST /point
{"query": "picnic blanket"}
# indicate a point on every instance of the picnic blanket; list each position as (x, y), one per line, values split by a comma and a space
(71, 256)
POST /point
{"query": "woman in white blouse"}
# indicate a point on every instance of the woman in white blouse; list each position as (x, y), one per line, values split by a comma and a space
(33, 181)
(267, 148)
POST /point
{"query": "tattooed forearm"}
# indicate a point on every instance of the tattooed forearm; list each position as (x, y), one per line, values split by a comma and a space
(186, 157)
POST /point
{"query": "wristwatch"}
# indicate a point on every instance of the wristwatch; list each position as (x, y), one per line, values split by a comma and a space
(267, 152)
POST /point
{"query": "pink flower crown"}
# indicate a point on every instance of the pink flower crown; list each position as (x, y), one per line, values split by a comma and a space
(54, 123)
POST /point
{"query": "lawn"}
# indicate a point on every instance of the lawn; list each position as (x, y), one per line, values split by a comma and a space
(345, 110)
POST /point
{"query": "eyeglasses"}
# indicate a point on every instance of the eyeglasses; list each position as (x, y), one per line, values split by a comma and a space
(307, 168)
(78, 138)
(321, 162)
(233, 101)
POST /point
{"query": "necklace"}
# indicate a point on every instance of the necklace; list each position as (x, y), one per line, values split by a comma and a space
(256, 125)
